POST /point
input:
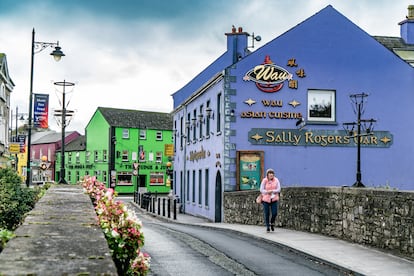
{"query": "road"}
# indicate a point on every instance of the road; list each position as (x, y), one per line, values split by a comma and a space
(179, 249)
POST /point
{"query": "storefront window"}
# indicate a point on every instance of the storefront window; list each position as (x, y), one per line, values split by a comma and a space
(124, 178)
(156, 178)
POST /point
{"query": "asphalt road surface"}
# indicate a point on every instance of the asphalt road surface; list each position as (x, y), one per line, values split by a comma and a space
(178, 249)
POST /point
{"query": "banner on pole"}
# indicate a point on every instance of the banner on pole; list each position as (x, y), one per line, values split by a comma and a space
(41, 111)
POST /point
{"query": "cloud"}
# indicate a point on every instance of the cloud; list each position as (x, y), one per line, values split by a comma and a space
(135, 54)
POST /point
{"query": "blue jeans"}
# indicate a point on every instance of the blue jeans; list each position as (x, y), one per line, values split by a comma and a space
(266, 207)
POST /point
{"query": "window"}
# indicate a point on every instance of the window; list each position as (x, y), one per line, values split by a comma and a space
(77, 176)
(181, 132)
(188, 185)
(321, 106)
(77, 158)
(105, 177)
(105, 155)
(88, 154)
(69, 157)
(159, 136)
(125, 156)
(156, 178)
(218, 119)
(125, 133)
(206, 188)
(208, 117)
(158, 157)
(194, 124)
(95, 153)
(124, 178)
(69, 176)
(142, 134)
(200, 187)
(193, 191)
(187, 125)
(200, 121)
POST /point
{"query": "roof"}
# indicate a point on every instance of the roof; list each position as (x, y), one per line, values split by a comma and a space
(79, 144)
(397, 45)
(137, 119)
(51, 137)
(391, 42)
(4, 71)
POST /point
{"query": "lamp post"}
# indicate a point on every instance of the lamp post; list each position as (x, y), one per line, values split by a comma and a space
(364, 128)
(63, 114)
(57, 54)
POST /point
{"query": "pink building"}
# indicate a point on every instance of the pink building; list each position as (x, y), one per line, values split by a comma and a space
(44, 146)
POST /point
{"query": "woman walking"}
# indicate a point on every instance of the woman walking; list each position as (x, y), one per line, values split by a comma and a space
(270, 188)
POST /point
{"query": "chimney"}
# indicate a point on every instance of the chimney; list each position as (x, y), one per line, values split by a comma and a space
(407, 26)
(237, 43)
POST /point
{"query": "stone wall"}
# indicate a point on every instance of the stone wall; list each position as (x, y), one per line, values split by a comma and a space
(375, 217)
(59, 236)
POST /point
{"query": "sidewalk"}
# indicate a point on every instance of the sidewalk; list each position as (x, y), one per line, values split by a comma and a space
(354, 257)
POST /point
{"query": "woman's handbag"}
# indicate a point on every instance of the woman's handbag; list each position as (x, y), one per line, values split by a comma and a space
(259, 199)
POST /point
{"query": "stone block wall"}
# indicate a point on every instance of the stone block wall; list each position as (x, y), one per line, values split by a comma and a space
(376, 217)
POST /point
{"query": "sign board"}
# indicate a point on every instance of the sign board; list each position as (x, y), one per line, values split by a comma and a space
(169, 149)
(14, 148)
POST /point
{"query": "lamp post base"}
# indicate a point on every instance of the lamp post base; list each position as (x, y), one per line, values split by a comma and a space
(62, 181)
(358, 184)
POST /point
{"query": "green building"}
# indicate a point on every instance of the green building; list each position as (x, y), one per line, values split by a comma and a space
(128, 150)
(76, 163)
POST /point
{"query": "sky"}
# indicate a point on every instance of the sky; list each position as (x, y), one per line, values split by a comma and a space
(134, 54)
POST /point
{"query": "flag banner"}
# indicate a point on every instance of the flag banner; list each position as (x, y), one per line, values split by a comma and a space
(41, 110)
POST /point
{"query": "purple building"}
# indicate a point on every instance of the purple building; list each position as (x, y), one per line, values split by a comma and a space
(323, 104)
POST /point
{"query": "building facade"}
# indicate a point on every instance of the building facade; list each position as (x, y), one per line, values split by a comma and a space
(76, 163)
(43, 157)
(322, 104)
(6, 88)
(130, 149)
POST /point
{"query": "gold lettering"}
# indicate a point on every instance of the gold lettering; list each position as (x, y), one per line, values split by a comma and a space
(271, 136)
(267, 73)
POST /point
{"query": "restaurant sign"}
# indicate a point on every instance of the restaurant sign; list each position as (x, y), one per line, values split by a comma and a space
(268, 77)
(322, 138)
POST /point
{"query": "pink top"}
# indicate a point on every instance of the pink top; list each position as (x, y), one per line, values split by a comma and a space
(269, 188)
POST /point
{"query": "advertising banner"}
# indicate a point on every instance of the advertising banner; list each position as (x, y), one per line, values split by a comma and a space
(41, 110)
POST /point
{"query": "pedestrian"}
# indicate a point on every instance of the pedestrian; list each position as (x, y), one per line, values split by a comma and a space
(270, 189)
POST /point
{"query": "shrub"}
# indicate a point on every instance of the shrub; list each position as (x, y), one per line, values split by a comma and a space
(15, 200)
(121, 227)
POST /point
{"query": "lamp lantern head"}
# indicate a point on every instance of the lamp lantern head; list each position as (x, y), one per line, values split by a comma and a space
(57, 53)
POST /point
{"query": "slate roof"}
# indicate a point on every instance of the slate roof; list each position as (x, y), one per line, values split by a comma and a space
(50, 137)
(396, 45)
(137, 119)
(79, 144)
(392, 42)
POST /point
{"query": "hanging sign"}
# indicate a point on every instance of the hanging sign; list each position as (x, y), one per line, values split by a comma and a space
(41, 110)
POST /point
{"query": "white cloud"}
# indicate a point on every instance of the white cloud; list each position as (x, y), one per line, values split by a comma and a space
(138, 62)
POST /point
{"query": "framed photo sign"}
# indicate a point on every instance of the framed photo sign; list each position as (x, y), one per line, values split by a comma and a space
(249, 169)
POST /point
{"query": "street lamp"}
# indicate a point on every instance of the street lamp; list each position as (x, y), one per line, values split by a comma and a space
(63, 113)
(364, 128)
(37, 47)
